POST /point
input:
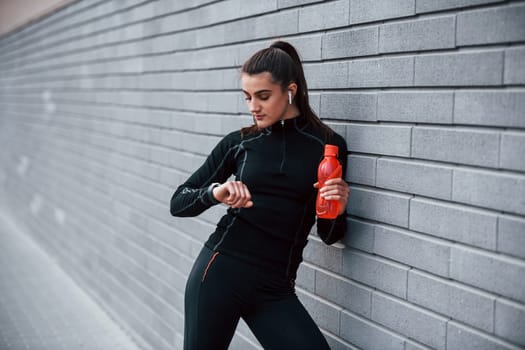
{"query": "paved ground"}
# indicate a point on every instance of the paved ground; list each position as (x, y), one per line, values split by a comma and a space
(42, 308)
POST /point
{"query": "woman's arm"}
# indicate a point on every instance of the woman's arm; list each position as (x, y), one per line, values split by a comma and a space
(196, 194)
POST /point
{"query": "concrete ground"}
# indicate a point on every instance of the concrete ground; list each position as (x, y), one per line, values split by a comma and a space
(41, 307)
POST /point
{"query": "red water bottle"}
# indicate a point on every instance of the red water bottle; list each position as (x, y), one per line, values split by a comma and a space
(329, 168)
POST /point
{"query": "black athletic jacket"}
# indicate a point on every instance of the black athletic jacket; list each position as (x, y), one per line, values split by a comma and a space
(279, 167)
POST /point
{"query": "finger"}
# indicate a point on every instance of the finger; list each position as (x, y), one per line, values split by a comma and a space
(247, 193)
(242, 195)
(334, 197)
(237, 199)
(333, 189)
(231, 191)
(335, 181)
(316, 185)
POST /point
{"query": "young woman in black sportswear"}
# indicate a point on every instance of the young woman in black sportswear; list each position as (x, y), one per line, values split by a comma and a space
(247, 268)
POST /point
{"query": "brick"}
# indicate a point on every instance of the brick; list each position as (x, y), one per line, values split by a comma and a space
(248, 336)
(489, 189)
(315, 103)
(291, 3)
(414, 177)
(249, 9)
(410, 345)
(511, 235)
(451, 299)
(409, 320)
(349, 106)
(464, 338)
(339, 128)
(283, 23)
(211, 36)
(457, 145)
(418, 35)
(202, 123)
(306, 278)
(379, 139)
(489, 108)
(326, 75)
(308, 46)
(512, 151)
(373, 10)
(208, 58)
(208, 15)
(242, 108)
(217, 102)
(235, 123)
(351, 43)
(488, 271)
(238, 342)
(367, 335)
(383, 72)
(142, 12)
(375, 272)
(379, 205)
(335, 343)
(454, 222)
(360, 235)
(325, 316)
(320, 254)
(324, 16)
(412, 249)
(347, 294)
(431, 5)
(229, 78)
(462, 69)
(510, 321)
(421, 107)
(514, 66)
(361, 170)
(489, 26)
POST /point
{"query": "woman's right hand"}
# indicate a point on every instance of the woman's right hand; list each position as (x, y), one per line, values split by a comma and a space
(233, 193)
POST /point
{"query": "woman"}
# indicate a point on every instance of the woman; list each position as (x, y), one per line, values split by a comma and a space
(247, 268)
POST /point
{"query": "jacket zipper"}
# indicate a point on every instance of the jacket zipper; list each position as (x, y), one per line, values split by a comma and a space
(283, 147)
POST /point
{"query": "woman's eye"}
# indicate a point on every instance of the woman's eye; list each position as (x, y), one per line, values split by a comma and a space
(264, 98)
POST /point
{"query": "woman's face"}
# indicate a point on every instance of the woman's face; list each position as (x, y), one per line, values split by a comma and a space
(267, 102)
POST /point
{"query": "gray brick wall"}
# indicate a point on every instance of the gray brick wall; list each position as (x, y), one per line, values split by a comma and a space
(106, 106)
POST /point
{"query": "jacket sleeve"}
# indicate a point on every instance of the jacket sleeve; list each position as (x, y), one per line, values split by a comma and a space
(194, 196)
(332, 230)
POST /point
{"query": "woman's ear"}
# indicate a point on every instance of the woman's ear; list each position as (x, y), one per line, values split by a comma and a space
(293, 88)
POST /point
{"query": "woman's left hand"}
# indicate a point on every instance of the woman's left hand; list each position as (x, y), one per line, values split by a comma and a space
(335, 189)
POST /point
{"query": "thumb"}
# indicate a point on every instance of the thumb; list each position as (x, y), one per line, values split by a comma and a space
(316, 185)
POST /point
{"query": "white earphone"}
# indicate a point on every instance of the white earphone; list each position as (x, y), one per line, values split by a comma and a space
(290, 96)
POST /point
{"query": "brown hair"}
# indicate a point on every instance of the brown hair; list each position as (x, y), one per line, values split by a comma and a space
(282, 61)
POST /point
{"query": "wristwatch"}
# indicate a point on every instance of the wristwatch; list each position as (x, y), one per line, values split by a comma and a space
(210, 192)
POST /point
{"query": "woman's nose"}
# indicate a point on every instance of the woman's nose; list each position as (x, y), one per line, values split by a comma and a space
(253, 106)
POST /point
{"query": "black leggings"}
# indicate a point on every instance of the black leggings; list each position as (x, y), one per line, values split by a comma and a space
(221, 289)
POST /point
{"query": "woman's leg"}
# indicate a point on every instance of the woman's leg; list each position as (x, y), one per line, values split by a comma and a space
(283, 323)
(211, 311)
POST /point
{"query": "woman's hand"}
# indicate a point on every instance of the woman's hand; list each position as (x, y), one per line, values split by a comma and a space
(335, 189)
(233, 193)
